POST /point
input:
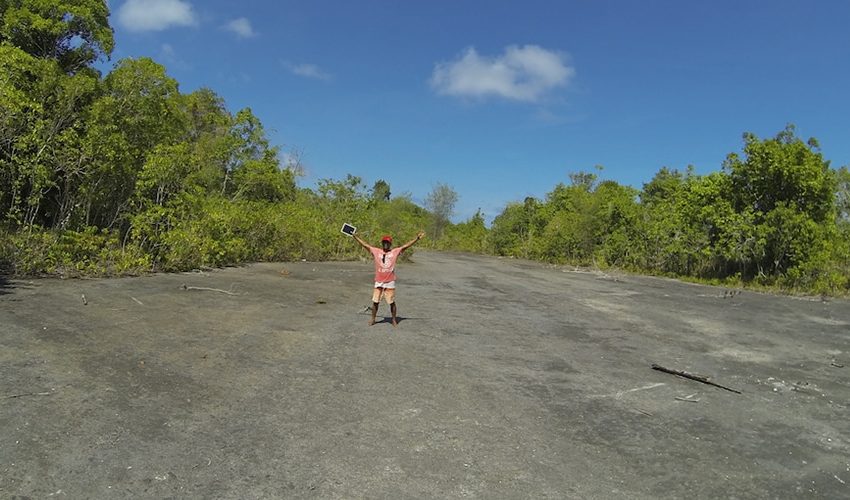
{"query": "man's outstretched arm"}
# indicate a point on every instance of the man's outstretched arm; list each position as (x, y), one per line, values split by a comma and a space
(410, 243)
(360, 240)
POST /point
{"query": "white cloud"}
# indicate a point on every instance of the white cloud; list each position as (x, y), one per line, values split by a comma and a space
(155, 15)
(242, 27)
(307, 71)
(522, 73)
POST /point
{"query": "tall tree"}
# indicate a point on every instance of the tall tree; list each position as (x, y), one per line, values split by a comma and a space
(441, 203)
(380, 191)
(41, 119)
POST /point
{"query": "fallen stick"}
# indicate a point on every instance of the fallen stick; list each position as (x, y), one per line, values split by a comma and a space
(207, 289)
(691, 376)
(28, 394)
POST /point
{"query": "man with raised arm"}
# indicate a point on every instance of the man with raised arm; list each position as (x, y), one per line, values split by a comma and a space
(385, 259)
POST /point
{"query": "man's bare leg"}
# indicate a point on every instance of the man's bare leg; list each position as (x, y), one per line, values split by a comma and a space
(392, 310)
(374, 313)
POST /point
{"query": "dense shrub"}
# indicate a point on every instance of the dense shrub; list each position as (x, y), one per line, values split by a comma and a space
(91, 252)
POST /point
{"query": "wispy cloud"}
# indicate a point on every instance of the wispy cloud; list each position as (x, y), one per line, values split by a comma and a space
(242, 27)
(524, 73)
(169, 55)
(155, 15)
(168, 50)
(307, 71)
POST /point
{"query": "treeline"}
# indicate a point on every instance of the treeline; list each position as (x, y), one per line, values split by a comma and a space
(124, 174)
(777, 216)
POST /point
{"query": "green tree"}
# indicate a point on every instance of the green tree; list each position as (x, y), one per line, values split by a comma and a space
(514, 231)
(349, 190)
(206, 114)
(570, 232)
(214, 146)
(42, 126)
(585, 181)
(164, 173)
(138, 110)
(787, 188)
(20, 110)
(661, 224)
(341, 201)
(782, 170)
(380, 191)
(74, 33)
(618, 216)
(400, 215)
(254, 164)
(664, 186)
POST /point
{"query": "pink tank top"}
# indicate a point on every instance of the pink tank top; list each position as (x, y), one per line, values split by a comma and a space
(385, 263)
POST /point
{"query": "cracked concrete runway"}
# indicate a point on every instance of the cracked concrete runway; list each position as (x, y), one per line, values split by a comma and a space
(504, 379)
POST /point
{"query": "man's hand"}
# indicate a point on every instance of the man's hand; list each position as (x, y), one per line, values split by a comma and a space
(419, 236)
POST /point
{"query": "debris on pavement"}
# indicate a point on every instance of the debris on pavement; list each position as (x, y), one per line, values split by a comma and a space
(698, 378)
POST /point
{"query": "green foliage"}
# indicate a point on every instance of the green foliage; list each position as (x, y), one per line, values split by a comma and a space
(380, 192)
(74, 33)
(194, 229)
(42, 127)
(583, 223)
(254, 164)
(91, 252)
(164, 173)
(619, 213)
(468, 236)
(775, 217)
(517, 228)
(789, 192)
(782, 170)
(664, 186)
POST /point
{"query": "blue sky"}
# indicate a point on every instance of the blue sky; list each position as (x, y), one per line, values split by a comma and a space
(503, 99)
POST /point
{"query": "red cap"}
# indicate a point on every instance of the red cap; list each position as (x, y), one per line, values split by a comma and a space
(387, 238)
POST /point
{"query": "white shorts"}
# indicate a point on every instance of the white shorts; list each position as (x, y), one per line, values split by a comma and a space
(384, 291)
(385, 284)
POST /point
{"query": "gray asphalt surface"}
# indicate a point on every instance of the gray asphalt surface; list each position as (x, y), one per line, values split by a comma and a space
(504, 379)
